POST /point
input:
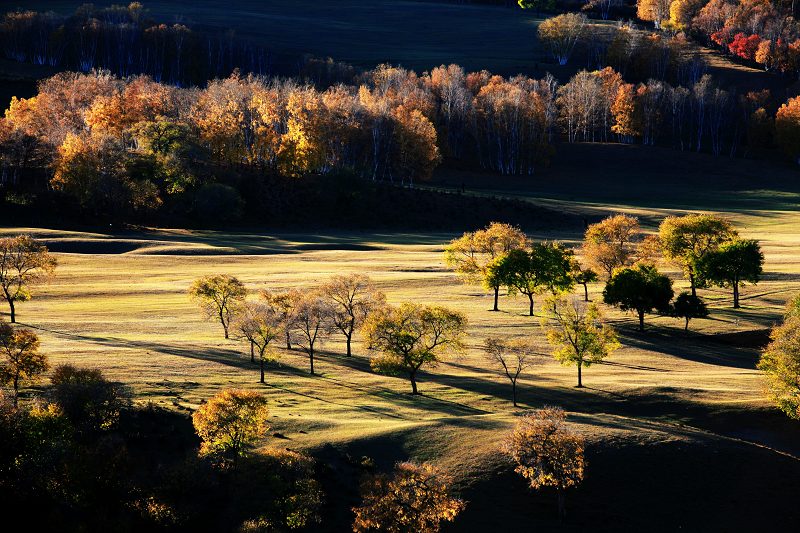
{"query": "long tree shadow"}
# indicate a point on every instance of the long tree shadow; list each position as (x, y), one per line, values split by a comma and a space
(698, 348)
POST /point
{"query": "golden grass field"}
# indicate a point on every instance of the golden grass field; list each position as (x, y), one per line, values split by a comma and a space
(119, 303)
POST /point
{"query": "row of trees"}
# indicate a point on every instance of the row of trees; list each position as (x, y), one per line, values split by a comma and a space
(126, 40)
(134, 145)
(759, 31)
(707, 249)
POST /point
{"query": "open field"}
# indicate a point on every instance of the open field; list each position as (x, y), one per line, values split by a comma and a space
(680, 434)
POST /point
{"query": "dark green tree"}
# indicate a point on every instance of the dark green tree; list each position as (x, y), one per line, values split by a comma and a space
(688, 306)
(641, 288)
(735, 262)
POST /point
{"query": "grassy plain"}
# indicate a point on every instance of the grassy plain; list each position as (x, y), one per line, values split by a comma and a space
(680, 433)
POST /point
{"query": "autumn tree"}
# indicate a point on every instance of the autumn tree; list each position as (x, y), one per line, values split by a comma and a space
(733, 263)
(688, 307)
(230, 422)
(611, 243)
(514, 357)
(219, 296)
(312, 321)
(259, 324)
(787, 128)
(284, 304)
(411, 336)
(415, 497)
(471, 254)
(92, 403)
(655, 11)
(578, 334)
(20, 360)
(24, 263)
(547, 453)
(686, 240)
(780, 362)
(561, 33)
(353, 297)
(641, 288)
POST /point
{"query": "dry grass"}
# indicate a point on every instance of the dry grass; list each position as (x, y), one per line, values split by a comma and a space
(119, 303)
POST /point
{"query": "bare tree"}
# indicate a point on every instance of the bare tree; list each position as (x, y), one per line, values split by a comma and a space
(353, 298)
(514, 356)
(312, 321)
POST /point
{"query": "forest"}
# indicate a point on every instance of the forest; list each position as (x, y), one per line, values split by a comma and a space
(400, 265)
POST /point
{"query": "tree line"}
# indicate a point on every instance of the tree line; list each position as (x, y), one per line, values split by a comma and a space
(133, 147)
(127, 41)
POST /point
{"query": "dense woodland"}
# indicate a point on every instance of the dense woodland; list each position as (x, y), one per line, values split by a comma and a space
(123, 139)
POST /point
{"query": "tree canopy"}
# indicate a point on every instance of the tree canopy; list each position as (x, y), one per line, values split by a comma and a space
(732, 264)
(219, 296)
(24, 262)
(641, 288)
(411, 336)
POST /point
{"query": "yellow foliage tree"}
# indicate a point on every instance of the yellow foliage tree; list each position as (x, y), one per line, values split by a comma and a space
(414, 498)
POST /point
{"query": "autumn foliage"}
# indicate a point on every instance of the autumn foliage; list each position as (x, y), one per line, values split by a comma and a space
(415, 497)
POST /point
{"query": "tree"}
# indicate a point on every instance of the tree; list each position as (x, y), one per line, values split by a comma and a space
(91, 402)
(641, 288)
(259, 324)
(353, 297)
(21, 361)
(547, 267)
(416, 497)
(787, 128)
(780, 362)
(735, 262)
(514, 357)
(584, 276)
(412, 336)
(547, 452)
(686, 240)
(284, 304)
(472, 254)
(656, 11)
(561, 33)
(578, 334)
(688, 307)
(231, 421)
(219, 296)
(611, 243)
(24, 262)
(312, 319)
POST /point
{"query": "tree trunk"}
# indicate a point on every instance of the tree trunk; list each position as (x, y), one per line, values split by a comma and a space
(641, 320)
(562, 507)
(311, 359)
(496, 296)
(288, 341)
(580, 374)
(13, 311)
(514, 393)
(691, 282)
(261, 364)
(16, 390)
(686, 329)
(252, 354)
(585, 292)
(413, 378)
(736, 294)
(530, 309)
(349, 339)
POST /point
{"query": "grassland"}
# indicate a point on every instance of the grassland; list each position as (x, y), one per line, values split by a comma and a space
(680, 433)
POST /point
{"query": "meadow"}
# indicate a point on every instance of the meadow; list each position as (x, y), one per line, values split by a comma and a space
(673, 421)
